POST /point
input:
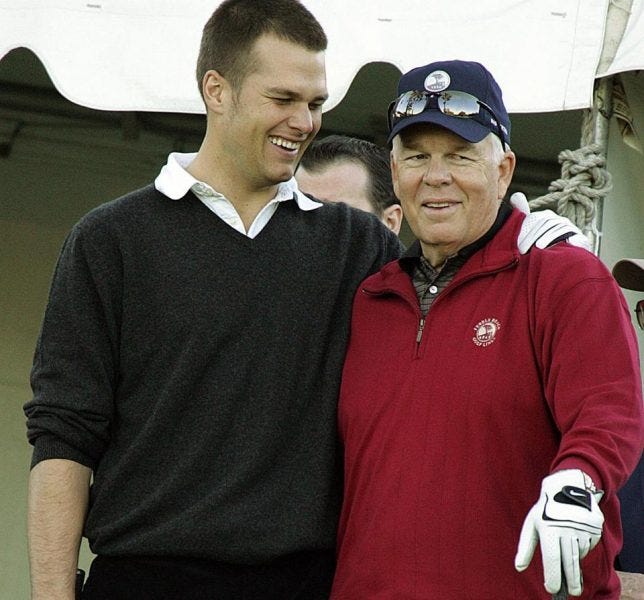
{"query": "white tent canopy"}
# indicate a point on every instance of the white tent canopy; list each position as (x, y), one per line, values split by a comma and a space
(630, 52)
(139, 55)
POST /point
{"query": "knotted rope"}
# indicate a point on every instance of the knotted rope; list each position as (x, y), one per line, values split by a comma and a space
(584, 182)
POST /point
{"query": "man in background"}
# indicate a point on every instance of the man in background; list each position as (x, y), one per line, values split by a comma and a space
(339, 168)
(629, 273)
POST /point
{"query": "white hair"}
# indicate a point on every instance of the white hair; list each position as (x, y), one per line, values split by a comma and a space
(498, 153)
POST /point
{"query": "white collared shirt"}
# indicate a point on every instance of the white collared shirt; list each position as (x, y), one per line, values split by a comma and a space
(174, 182)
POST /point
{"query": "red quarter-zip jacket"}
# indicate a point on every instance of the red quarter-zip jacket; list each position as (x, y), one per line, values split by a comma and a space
(525, 364)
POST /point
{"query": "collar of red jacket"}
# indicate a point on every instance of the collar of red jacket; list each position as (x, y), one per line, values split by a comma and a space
(496, 250)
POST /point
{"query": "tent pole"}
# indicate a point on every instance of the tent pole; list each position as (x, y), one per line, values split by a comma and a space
(595, 131)
(598, 117)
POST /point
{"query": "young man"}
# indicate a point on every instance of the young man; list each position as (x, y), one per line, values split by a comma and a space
(476, 388)
(191, 350)
(339, 168)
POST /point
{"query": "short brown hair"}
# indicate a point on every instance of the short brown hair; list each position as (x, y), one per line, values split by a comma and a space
(235, 26)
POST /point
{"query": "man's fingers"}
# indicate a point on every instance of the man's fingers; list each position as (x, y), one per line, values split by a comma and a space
(551, 557)
(581, 241)
(550, 235)
(527, 544)
(520, 202)
(534, 227)
(584, 545)
(570, 556)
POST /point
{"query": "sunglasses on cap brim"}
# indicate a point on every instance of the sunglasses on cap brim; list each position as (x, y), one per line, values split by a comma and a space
(451, 103)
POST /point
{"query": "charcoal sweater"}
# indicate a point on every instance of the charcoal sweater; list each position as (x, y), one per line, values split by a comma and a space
(196, 371)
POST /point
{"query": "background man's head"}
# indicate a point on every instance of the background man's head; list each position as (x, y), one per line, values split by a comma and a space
(451, 165)
(339, 168)
(229, 35)
(629, 273)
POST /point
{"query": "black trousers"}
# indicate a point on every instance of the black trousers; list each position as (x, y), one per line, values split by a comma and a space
(301, 576)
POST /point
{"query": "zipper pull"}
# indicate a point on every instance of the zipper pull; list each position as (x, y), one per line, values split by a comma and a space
(421, 326)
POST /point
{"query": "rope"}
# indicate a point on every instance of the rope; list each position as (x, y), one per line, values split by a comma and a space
(588, 124)
(583, 184)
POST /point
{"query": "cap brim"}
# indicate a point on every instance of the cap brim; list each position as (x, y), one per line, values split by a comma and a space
(468, 129)
(629, 273)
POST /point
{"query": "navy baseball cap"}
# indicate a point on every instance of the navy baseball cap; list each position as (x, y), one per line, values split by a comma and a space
(459, 95)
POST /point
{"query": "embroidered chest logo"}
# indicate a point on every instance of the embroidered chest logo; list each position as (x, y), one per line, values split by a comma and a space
(485, 332)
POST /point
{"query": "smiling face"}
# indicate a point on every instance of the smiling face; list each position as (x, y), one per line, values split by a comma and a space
(267, 124)
(450, 189)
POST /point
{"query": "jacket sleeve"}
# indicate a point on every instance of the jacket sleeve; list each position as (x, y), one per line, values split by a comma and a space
(588, 355)
(74, 374)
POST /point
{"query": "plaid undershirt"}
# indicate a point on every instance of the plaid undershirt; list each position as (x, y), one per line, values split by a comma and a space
(429, 281)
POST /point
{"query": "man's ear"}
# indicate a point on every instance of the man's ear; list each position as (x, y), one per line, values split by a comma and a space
(394, 170)
(214, 88)
(392, 217)
(506, 170)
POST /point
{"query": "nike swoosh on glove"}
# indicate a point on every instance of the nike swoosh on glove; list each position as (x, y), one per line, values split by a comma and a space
(567, 522)
(543, 227)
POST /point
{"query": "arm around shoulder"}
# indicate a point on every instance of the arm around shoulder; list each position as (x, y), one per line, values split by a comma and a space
(57, 505)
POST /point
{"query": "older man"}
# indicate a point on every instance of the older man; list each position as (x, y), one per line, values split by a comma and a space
(479, 407)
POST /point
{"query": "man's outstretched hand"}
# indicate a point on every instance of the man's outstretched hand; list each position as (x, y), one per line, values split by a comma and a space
(567, 523)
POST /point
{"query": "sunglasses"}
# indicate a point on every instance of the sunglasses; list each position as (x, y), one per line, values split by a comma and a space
(451, 103)
(639, 312)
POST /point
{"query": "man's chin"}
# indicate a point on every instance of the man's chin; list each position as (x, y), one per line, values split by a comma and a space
(282, 175)
(438, 250)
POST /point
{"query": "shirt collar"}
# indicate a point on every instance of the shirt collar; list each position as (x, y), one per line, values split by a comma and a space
(175, 182)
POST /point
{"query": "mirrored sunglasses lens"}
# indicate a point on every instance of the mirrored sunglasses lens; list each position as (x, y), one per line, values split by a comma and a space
(411, 103)
(458, 104)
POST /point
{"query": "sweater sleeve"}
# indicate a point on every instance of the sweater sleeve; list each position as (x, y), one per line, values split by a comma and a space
(391, 248)
(588, 354)
(395, 248)
(74, 374)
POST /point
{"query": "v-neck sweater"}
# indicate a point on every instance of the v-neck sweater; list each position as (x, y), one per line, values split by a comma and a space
(196, 371)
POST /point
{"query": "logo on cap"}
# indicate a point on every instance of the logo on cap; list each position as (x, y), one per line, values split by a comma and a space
(437, 81)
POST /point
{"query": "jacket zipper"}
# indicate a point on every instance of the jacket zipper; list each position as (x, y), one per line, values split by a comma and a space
(448, 289)
(419, 335)
(413, 305)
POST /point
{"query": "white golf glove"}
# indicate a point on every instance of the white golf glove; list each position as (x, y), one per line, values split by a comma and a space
(543, 227)
(567, 523)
